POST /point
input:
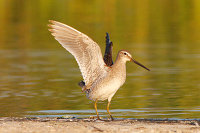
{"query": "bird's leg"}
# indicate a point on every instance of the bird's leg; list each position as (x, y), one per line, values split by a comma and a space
(109, 111)
(95, 106)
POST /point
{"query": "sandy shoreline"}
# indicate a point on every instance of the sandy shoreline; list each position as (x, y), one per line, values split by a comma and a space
(46, 125)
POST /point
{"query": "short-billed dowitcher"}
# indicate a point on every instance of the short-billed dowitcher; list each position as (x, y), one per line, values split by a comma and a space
(101, 81)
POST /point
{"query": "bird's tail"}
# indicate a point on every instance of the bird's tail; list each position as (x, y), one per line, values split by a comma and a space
(82, 85)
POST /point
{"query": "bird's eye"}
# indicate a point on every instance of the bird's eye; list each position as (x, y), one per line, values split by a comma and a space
(124, 53)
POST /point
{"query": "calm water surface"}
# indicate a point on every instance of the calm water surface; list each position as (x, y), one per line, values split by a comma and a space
(39, 78)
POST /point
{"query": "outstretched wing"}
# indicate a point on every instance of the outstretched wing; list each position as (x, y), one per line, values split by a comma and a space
(86, 52)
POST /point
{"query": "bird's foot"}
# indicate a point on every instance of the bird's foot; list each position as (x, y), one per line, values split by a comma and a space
(112, 119)
(96, 117)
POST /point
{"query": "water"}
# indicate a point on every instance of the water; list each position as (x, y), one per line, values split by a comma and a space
(39, 78)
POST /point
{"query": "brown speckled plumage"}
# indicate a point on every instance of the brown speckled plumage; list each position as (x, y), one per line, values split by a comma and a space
(101, 81)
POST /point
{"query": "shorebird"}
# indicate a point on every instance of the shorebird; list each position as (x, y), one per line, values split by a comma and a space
(101, 77)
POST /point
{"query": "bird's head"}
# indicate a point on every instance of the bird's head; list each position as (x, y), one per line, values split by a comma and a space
(126, 56)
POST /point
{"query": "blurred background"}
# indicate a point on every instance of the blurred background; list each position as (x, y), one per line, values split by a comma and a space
(39, 78)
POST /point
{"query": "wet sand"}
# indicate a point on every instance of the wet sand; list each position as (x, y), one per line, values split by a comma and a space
(60, 125)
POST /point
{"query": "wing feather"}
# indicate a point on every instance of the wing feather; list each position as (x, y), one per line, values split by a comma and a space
(86, 52)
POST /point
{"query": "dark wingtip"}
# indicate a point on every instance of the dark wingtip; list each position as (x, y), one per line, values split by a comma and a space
(108, 51)
(107, 37)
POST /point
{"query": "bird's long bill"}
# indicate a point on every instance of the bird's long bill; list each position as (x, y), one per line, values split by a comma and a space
(134, 61)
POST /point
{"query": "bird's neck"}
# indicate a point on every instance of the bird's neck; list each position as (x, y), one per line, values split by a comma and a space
(120, 65)
(119, 71)
(120, 62)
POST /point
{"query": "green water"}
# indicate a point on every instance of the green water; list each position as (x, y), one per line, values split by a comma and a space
(39, 78)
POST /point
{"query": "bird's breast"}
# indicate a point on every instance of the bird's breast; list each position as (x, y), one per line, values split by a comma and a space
(106, 88)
